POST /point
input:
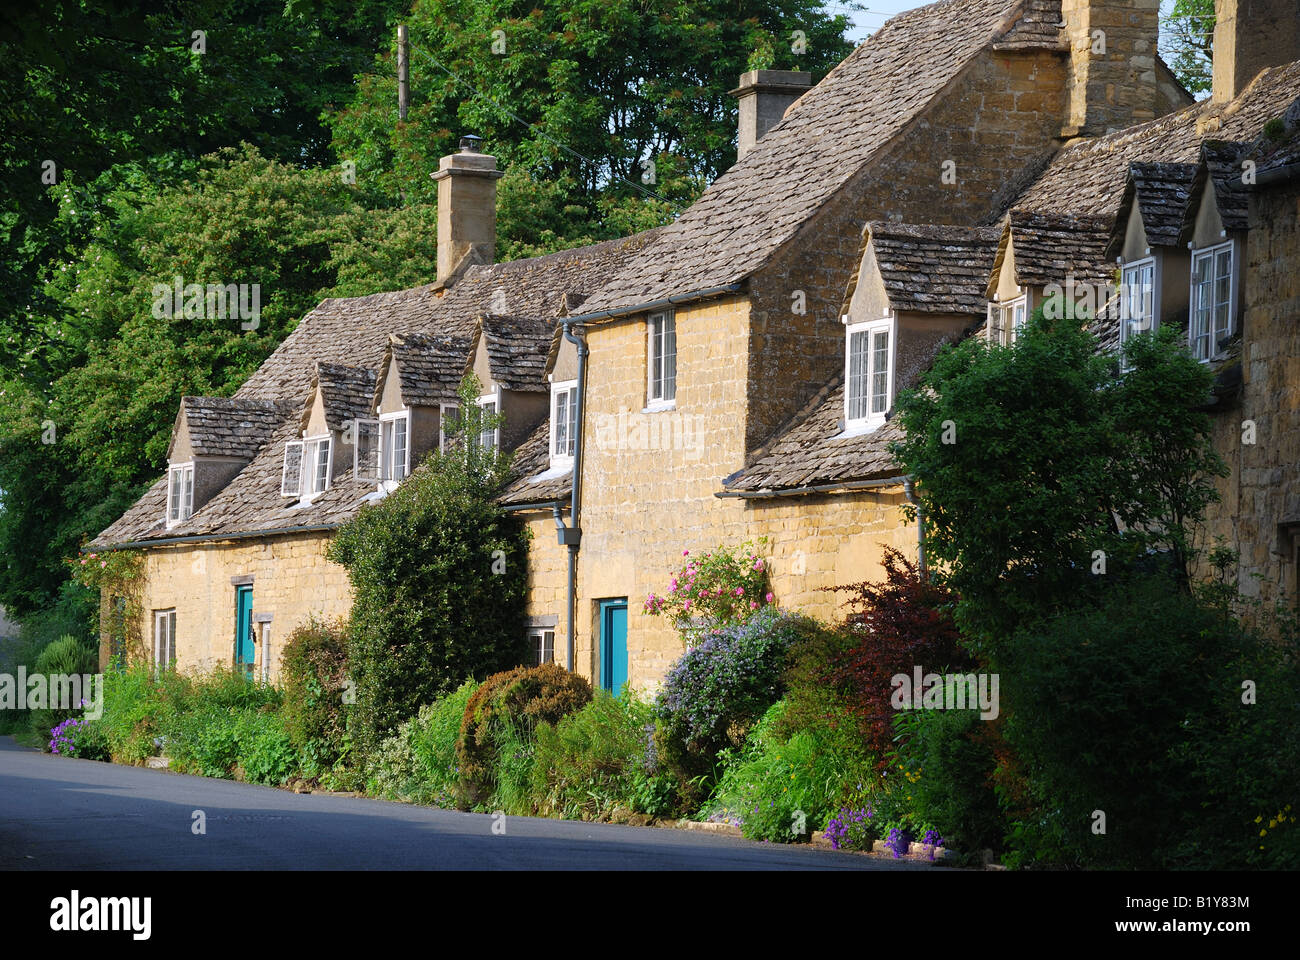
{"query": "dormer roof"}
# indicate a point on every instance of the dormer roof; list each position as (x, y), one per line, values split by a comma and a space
(1161, 192)
(1219, 166)
(227, 427)
(429, 368)
(932, 268)
(516, 349)
(1049, 248)
(346, 393)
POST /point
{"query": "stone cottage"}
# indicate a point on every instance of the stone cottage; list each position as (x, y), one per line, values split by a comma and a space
(726, 377)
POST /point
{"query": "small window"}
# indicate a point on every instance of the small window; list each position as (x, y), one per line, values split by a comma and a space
(180, 493)
(318, 452)
(448, 414)
(164, 639)
(394, 461)
(490, 438)
(1211, 299)
(1007, 320)
(661, 355)
(869, 373)
(564, 419)
(1137, 300)
(291, 476)
(542, 644)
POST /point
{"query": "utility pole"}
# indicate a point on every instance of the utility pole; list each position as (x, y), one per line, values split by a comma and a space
(403, 72)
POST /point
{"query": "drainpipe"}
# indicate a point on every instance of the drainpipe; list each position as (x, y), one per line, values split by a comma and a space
(571, 536)
(909, 491)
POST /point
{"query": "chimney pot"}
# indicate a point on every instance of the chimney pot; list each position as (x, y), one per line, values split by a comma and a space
(470, 143)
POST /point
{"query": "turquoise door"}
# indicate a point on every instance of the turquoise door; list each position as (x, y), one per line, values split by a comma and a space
(613, 644)
(244, 629)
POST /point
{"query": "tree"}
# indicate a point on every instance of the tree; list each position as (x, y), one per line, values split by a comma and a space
(438, 574)
(1188, 35)
(1042, 473)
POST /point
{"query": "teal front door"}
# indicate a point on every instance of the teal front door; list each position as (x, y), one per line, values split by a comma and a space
(244, 654)
(613, 644)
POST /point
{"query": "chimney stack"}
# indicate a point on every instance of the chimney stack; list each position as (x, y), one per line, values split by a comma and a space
(1250, 35)
(467, 208)
(1111, 79)
(764, 97)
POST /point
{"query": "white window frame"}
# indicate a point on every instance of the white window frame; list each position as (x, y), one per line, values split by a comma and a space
(179, 512)
(656, 390)
(443, 410)
(1002, 317)
(388, 425)
(311, 463)
(363, 428)
(569, 387)
(264, 636)
(869, 329)
(164, 622)
(1153, 321)
(285, 489)
(493, 398)
(539, 640)
(1193, 335)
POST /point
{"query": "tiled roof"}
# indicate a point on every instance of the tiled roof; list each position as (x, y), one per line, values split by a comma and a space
(516, 349)
(830, 134)
(1220, 164)
(811, 452)
(532, 480)
(1037, 29)
(356, 333)
(1088, 177)
(346, 392)
(1161, 191)
(1049, 248)
(429, 368)
(934, 269)
(226, 427)
(1277, 153)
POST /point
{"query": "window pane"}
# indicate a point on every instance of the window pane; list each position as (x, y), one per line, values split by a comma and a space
(880, 372)
(857, 376)
(174, 496)
(399, 448)
(171, 639)
(670, 357)
(187, 493)
(561, 419)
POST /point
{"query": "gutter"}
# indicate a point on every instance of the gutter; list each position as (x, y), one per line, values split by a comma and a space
(769, 494)
(646, 307)
(571, 536)
(1288, 171)
(210, 538)
(533, 505)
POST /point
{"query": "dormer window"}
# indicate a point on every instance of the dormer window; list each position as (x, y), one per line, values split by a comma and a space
(490, 404)
(1008, 319)
(447, 413)
(1138, 311)
(869, 373)
(661, 360)
(1211, 299)
(180, 493)
(307, 464)
(394, 447)
(564, 420)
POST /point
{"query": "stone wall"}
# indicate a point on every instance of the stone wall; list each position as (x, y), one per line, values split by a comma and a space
(292, 582)
(1260, 511)
(1113, 89)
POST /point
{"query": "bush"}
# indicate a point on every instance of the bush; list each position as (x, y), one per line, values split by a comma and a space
(893, 626)
(719, 588)
(418, 763)
(439, 574)
(314, 668)
(598, 759)
(77, 737)
(205, 741)
(949, 759)
(67, 656)
(504, 711)
(718, 689)
(781, 788)
(139, 710)
(265, 752)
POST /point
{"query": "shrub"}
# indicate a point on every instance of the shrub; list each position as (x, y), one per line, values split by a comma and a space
(718, 689)
(719, 588)
(139, 710)
(438, 573)
(76, 737)
(67, 656)
(265, 752)
(596, 760)
(507, 708)
(314, 666)
(417, 764)
(205, 741)
(892, 627)
(781, 788)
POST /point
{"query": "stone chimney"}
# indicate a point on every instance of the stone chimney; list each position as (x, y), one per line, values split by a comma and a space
(467, 208)
(1250, 35)
(1111, 79)
(764, 96)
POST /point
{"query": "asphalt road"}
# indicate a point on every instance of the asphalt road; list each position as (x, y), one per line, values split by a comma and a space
(63, 814)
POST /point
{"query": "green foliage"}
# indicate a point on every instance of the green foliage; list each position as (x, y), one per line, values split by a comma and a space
(948, 760)
(1018, 504)
(417, 764)
(438, 574)
(68, 655)
(598, 759)
(497, 728)
(1187, 41)
(314, 671)
(781, 787)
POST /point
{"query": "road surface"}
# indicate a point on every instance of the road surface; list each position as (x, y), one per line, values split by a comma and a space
(62, 814)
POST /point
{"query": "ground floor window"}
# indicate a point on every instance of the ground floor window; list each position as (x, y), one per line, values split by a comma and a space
(164, 639)
(542, 643)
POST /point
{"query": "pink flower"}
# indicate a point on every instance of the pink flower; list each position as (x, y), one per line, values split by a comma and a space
(740, 591)
(758, 564)
(83, 561)
(768, 598)
(686, 605)
(103, 564)
(686, 553)
(753, 604)
(93, 556)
